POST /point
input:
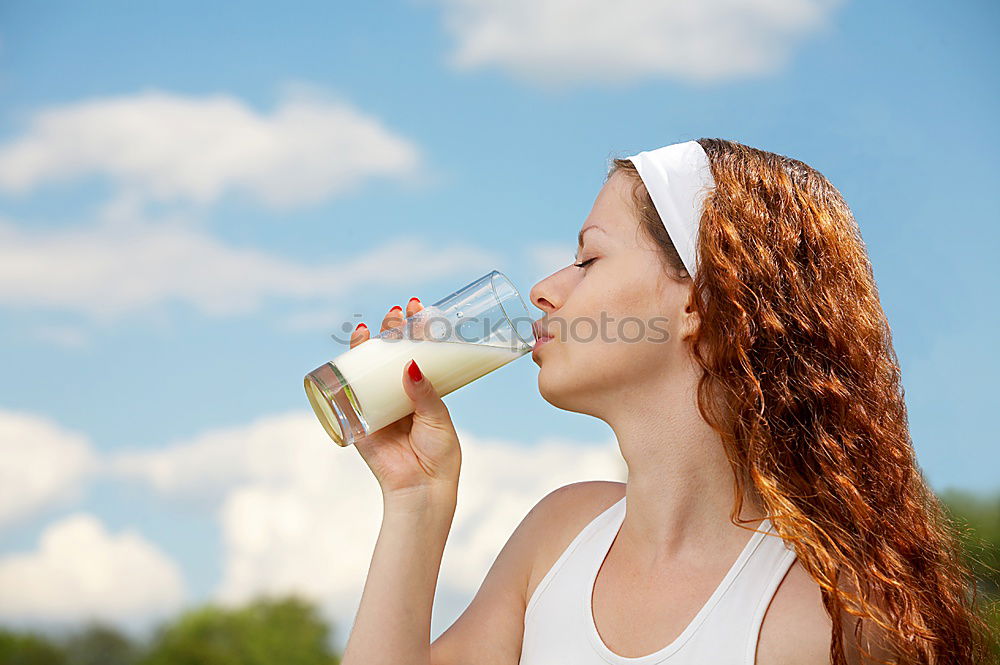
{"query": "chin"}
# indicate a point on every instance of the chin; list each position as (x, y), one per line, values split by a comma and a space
(563, 392)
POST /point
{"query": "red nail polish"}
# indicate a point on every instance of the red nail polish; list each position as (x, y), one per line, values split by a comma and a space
(395, 307)
(414, 298)
(415, 374)
(360, 326)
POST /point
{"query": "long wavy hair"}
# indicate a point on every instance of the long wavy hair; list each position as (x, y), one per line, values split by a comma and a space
(801, 381)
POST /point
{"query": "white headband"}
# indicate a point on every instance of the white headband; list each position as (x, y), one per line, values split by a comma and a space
(678, 177)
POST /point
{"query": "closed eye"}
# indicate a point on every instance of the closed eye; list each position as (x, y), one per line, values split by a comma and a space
(586, 263)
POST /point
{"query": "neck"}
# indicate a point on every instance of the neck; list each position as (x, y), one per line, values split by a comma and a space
(680, 489)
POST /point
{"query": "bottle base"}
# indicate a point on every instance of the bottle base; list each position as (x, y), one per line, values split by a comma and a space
(335, 405)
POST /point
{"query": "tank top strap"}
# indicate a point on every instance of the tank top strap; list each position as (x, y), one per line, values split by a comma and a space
(752, 596)
(730, 630)
(593, 528)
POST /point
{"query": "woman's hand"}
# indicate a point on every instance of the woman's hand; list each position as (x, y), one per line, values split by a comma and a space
(420, 452)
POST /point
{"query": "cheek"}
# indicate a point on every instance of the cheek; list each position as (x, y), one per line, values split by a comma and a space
(640, 337)
(619, 323)
(620, 342)
(635, 317)
(587, 364)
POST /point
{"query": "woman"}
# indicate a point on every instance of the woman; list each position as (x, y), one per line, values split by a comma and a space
(775, 512)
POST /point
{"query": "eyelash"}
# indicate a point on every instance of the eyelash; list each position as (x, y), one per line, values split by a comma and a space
(584, 264)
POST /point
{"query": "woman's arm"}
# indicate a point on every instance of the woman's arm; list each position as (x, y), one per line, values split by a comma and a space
(393, 623)
(417, 461)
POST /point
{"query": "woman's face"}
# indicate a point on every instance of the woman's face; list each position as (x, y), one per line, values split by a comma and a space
(617, 323)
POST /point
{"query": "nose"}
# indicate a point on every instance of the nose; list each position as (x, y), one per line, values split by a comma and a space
(542, 295)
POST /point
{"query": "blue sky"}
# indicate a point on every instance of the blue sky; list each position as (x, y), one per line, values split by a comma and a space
(192, 201)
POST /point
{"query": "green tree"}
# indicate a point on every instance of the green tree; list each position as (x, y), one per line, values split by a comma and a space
(268, 631)
(99, 644)
(977, 519)
(28, 649)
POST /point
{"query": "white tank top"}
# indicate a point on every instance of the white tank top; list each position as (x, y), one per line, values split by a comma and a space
(559, 627)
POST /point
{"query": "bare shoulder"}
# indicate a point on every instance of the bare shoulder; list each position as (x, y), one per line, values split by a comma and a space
(566, 510)
(586, 492)
(561, 515)
(797, 629)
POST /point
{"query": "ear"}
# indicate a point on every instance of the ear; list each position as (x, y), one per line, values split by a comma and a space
(690, 320)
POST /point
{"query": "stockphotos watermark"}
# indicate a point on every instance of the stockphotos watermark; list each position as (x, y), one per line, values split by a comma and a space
(516, 332)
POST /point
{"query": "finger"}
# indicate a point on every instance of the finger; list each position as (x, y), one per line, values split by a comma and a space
(428, 405)
(393, 319)
(359, 335)
(413, 307)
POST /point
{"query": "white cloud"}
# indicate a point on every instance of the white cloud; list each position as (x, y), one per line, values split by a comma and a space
(565, 42)
(300, 514)
(114, 268)
(156, 146)
(273, 450)
(168, 147)
(41, 465)
(81, 571)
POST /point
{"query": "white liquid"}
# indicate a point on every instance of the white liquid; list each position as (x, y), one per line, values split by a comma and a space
(374, 369)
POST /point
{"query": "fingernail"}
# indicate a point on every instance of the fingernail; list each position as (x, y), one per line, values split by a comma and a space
(415, 374)
(414, 299)
(360, 326)
(395, 307)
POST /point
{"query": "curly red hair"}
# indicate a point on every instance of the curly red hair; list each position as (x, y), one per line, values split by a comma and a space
(803, 384)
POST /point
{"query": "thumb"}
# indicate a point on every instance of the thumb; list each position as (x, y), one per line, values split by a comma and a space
(428, 405)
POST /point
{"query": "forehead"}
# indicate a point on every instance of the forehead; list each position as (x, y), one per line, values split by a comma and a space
(612, 213)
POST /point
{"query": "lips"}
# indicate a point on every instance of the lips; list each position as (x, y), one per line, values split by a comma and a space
(541, 334)
(538, 347)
